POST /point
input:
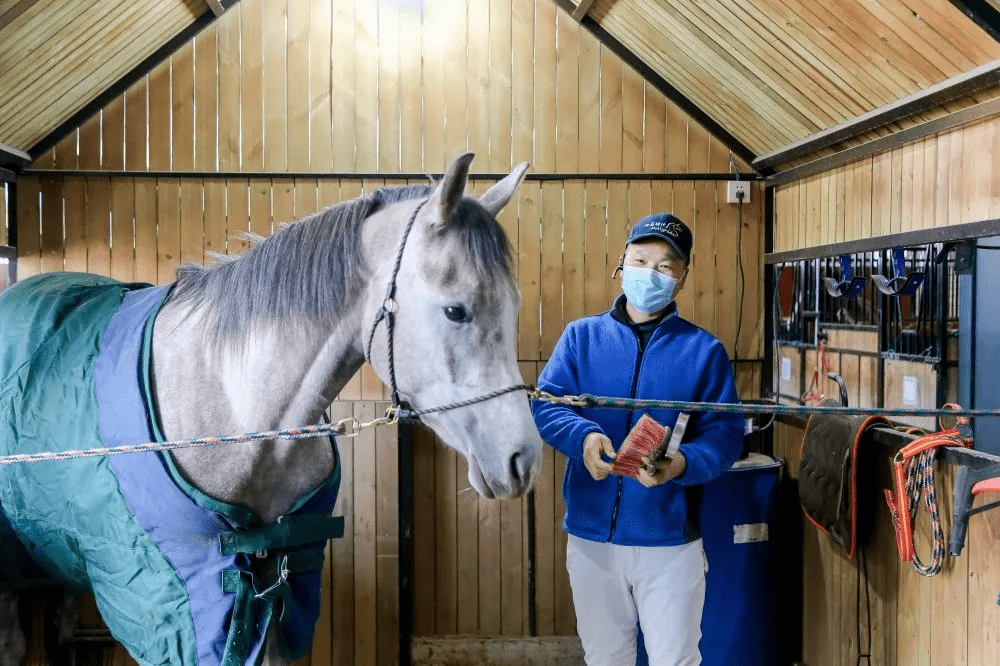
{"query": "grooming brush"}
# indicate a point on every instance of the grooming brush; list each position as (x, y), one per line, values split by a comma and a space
(649, 439)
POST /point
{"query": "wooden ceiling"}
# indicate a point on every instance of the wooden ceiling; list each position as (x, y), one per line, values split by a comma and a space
(58, 55)
(774, 72)
(763, 75)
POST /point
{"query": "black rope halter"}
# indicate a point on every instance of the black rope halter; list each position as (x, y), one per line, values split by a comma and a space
(386, 313)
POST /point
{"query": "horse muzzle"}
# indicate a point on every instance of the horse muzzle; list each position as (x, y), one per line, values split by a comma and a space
(514, 477)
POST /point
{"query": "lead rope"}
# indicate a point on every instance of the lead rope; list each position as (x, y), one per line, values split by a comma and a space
(352, 427)
(913, 476)
(920, 480)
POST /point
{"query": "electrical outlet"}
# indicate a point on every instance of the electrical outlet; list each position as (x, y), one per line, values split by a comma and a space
(733, 190)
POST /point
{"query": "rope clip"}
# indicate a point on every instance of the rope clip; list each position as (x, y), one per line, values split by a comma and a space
(536, 393)
(391, 415)
(349, 427)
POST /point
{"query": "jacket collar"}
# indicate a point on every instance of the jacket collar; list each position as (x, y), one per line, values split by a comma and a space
(620, 314)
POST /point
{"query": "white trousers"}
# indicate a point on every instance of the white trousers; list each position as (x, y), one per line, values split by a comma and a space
(663, 588)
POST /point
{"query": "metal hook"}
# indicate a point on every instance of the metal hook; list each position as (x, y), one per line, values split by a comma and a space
(849, 286)
(900, 283)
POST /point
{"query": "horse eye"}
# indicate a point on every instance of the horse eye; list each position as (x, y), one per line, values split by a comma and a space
(456, 313)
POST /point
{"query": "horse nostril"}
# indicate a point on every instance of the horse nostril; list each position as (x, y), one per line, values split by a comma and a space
(520, 467)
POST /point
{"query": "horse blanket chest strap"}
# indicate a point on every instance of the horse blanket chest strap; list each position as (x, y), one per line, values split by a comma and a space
(294, 539)
(828, 474)
(163, 560)
(913, 475)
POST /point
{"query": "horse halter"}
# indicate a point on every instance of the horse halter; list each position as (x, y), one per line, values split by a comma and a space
(399, 409)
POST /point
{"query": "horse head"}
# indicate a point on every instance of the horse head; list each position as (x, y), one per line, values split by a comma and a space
(454, 335)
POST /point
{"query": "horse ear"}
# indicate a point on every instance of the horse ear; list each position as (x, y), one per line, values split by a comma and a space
(497, 196)
(450, 190)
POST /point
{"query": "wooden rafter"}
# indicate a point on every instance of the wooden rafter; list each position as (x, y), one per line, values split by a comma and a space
(220, 7)
(657, 81)
(958, 86)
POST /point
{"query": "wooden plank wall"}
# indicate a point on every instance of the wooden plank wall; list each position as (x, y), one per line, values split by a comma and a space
(948, 619)
(511, 80)
(947, 179)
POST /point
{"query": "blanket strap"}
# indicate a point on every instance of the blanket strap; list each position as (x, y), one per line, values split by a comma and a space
(289, 531)
(255, 607)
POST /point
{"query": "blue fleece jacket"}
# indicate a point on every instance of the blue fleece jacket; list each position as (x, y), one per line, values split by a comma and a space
(601, 355)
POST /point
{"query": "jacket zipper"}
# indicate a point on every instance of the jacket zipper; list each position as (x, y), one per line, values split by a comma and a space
(631, 395)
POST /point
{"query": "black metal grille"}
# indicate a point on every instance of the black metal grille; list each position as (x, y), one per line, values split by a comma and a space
(912, 326)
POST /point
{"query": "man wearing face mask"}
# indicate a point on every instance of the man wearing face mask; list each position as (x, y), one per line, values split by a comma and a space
(634, 551)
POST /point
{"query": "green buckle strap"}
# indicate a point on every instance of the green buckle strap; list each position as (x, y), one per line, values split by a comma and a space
(241, 625)
(241, 583)
(289, 531)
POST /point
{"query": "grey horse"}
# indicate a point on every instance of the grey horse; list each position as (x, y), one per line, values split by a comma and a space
(267, 340)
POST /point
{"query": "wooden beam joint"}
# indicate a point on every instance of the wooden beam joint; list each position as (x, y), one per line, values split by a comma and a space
(12, 160)
(582, 8)
(216, 7)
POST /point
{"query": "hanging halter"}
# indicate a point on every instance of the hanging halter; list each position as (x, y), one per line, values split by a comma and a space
(399, 409)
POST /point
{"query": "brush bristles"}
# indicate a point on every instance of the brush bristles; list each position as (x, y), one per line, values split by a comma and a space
(645, 436)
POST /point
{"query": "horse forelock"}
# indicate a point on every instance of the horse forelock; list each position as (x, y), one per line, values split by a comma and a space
(484, 243)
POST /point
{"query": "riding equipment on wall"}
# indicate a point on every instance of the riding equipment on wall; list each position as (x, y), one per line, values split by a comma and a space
(130, 528)
(829, 486)
(913, 477)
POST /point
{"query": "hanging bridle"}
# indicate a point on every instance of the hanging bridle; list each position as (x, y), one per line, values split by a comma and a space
(399, 409)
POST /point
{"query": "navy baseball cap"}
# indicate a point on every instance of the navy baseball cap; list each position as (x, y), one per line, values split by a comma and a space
(666, 227)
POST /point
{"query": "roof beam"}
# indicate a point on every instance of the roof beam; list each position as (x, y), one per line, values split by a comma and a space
(12, 159)
(582, 8)
(661, 84)
(981, 111)
(940, 93)
(983, 14)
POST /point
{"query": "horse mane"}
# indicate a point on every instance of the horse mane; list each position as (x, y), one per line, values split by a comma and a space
(312, 268)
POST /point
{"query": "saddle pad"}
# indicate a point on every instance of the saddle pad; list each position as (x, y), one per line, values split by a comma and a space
(828, 474)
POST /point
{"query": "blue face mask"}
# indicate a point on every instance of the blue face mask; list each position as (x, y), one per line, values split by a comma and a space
(647, 290)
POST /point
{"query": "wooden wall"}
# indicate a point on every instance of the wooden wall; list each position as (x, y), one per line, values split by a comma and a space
(243, 128)
(951, 619)
(946, 179)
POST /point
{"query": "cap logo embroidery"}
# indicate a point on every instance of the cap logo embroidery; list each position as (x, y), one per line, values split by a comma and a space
(673, 229)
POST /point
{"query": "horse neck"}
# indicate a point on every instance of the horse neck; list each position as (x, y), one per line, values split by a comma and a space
(284, 377)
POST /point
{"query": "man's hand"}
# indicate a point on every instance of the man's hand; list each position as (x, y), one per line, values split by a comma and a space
(594, 445)
(664, 472)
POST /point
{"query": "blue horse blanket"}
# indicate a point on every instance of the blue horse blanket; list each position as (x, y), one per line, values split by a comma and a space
(168, 566)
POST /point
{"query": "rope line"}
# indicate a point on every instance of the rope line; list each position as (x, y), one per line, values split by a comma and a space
(587, 400)
(352, 427)
(920, 481)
